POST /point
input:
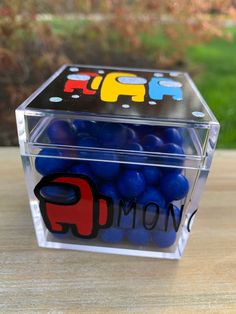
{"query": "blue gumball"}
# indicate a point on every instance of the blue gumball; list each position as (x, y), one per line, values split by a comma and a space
(152, 203)
(83, 169)
(142, 130)
(172, 148)
(112, 235)
(152, 143)
(164, 239)
(152, 174)
(174, 186)
(131, 136)
(108, 189)
(138, 236)
(168, 223)
(93, 128)
(105, 170)
(126, 222)
(131, 183)
(172, 135)
(61, 132)
(134, 159)
(177, 161)
(87, 141)
(89, 127)
(134, 146)
(129, 221)
(153, 195)
(113, 135)
(79, 126)
(80, 136)
(166, 170)
(49, 165)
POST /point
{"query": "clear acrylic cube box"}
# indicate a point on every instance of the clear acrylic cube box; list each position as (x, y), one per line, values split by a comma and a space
(116, 159)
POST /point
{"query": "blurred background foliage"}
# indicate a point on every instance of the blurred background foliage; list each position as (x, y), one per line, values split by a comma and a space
(36, 37)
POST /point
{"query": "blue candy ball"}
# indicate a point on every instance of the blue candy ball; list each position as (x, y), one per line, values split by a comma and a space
(131, 183)
(134, 146)
(174, 186)
(80, 136)
(92, 127)
(166, 170)
(138, 236)
(128, 221)
(105, 170)
(142, 130)
(61, 132)
(113, 135)
(112, 235)
(108, 189)
(172, 135)
(172, 148)
(89, 127)
(151, 194)
(87, 141)
(152, 174)
(134, 158)
(161, 225)
(49, 165)
(83, 169)
(131, 136)
(152, 143)
(164, 239)
(79, 126)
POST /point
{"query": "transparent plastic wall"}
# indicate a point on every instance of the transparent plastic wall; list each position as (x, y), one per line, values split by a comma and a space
(39, 130)
(148, 224)
(147, 177)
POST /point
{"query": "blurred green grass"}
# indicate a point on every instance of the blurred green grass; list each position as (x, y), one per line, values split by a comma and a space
(216, 80)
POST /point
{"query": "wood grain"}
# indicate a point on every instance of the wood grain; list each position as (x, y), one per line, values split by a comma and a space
(34, 280)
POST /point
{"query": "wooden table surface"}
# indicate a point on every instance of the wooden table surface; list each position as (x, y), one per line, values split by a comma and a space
(36, 280)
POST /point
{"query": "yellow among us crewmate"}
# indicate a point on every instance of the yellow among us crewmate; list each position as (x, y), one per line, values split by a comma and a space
(121, 83)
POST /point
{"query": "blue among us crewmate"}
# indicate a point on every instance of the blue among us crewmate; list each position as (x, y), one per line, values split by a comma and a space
(161, 86)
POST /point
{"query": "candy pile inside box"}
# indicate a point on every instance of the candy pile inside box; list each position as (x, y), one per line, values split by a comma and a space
(119, 181)
(115, 161)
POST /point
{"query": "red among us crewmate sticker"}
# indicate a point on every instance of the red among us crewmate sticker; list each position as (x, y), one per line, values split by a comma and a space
(71, 201)
(80, 81)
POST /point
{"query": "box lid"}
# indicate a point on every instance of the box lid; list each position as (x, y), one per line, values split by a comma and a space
(124, 93)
